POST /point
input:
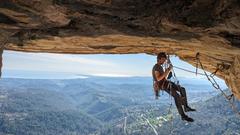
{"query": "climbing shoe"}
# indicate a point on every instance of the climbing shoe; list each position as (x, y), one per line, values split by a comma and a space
(188, 109)
(188, 119)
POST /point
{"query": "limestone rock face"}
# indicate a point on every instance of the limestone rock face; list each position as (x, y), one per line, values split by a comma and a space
(183, 28)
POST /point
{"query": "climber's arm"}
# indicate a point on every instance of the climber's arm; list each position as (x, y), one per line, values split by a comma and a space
(159, 76)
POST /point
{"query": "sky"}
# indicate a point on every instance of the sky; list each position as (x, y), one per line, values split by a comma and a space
(97, 65)
(69, 66)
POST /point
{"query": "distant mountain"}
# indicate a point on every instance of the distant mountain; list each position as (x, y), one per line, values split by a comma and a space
(32, 110)
(99, 105)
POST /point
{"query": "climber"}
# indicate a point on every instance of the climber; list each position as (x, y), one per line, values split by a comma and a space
(161, 83)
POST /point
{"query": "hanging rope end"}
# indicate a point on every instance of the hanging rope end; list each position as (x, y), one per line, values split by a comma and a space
(197, 61)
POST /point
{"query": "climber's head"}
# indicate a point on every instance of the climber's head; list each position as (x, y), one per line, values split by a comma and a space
(161, 57)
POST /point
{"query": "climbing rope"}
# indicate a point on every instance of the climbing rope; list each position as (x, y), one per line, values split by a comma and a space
(189, 71)
(171, 98)
(170, 108)
(214, 83)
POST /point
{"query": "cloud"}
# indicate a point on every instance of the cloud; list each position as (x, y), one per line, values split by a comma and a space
(105, 65)
(54, 62)
(99, 65)
(53, 58)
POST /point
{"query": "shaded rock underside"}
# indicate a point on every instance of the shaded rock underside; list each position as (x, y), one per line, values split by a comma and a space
(182, 28)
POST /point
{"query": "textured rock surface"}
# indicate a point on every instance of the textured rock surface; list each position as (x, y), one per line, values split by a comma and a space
(182, 28)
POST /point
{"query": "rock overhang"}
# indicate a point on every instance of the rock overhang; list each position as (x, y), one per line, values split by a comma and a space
(124, 27)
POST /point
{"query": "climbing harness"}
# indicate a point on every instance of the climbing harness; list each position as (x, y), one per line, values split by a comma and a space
(211, 79)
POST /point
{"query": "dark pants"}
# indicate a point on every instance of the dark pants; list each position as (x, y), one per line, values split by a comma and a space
(179, 95)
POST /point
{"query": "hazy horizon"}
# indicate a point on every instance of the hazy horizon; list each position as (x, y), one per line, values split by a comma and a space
(113, 65)
(72, 66)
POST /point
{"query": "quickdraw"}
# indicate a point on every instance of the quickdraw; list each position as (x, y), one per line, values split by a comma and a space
(211, 79)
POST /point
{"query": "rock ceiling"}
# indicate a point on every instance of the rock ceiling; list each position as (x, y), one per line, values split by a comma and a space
(182, 28)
